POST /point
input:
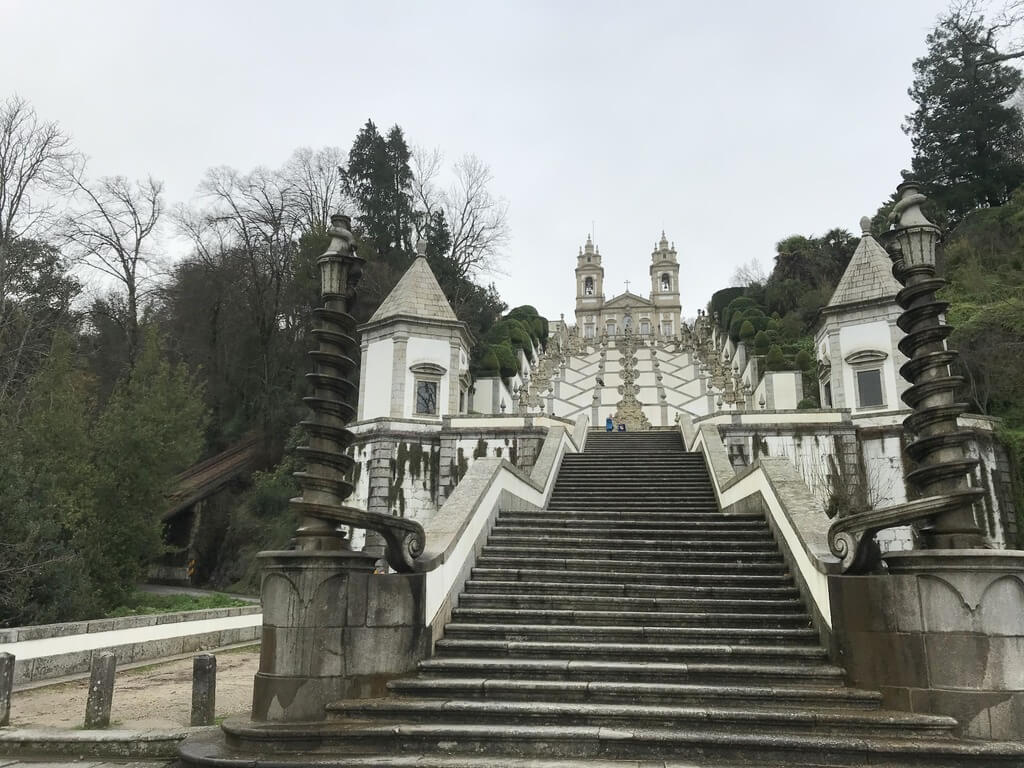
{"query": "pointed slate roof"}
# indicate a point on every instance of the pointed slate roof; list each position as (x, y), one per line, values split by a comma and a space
(417, 294)
(868, 276)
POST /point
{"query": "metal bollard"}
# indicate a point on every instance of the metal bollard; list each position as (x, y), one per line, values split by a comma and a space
(6, 687)
(101, 691)
(204, 689)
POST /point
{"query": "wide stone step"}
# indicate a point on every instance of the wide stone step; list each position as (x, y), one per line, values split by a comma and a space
(706, 578)
(704, 671)
(681, 553)
(510, 522)
(637, 693)
(597, 590)
(343, 744)
(699, 564)
(881, 723)
(713, 517)
(520, 601)
(646, 652)
(468, 626)
(627, 508)
(757, 539)
(702, 618)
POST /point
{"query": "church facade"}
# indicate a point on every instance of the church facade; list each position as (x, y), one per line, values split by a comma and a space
(657, 316)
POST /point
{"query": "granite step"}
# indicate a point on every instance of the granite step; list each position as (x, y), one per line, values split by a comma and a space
(756, 539)
(700, 578)
(697, 565)
(681, 553)
(618, 517)
(879, 723)
(780, 655)
(571, 525)
(561, 601)
(480, 741)
(715, 619)
(705, 671)
(659, 592)
(761, 633)
(636, 692)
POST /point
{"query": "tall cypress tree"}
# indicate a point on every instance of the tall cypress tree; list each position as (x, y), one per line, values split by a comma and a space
(968, 140)
(379, 179)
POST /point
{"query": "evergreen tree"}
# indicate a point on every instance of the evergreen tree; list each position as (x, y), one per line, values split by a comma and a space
(46, 490)
(380, 181)
(151, 429)
(968, 140)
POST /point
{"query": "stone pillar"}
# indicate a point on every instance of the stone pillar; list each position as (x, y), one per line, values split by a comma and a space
(941, 633)
(6, 687)
(204, 689)
(447, 471)
(398, 374)
(378, 494)
(303, 657)
(454, 385)
(101, 691)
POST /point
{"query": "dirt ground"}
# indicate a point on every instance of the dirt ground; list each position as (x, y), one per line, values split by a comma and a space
(151, 697)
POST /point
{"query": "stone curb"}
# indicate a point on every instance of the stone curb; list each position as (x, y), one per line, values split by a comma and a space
(115, 744)
(45, 631)
(75, 662)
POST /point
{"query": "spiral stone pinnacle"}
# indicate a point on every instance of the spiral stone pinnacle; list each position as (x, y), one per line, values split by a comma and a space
(335, 394)
(320, 508)
(943, 507)
(940, 447)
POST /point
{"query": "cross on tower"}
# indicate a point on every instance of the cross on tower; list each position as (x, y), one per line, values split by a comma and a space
(627, 286)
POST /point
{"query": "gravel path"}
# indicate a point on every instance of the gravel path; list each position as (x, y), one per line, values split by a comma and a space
(150, 697)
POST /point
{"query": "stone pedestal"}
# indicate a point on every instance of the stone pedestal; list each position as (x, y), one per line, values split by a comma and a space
(941, 633)
(332, 630)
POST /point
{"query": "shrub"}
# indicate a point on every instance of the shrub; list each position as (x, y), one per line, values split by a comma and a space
(762, 342)
(775, 360)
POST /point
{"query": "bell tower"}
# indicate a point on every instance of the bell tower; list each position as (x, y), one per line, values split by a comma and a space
(665, 288)
(589, 289)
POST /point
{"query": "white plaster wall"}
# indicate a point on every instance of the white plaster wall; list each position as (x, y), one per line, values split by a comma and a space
(859, 337)
(376, 394)
(484, 400)
(785, 387)
(436, 351)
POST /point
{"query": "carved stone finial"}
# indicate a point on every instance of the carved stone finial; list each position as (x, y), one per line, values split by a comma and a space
(865, 225)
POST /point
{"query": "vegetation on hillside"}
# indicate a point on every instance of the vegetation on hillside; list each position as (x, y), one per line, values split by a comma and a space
(967, 135)
(103, 399)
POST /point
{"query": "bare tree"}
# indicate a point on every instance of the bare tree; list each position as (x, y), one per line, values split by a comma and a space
(254, 218)
(316, 186)
(113, 233)
(427, 196)
(35, 158)
(749, 273)
(1001, 39)
(478, 221)
(35, 163)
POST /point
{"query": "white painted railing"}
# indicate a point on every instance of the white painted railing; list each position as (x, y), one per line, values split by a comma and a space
(774, 486)
(457, 532)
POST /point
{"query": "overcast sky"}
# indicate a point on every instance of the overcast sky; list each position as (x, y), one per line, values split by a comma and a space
(730, 125)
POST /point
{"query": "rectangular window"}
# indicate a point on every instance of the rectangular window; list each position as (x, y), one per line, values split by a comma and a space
(426, 397)
(869, 388)
(828, 394)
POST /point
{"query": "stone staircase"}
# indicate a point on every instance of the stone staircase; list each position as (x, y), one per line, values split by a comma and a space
(630, 623)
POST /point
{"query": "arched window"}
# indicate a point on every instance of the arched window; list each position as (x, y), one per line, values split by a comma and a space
(666, 283)
(588, 286)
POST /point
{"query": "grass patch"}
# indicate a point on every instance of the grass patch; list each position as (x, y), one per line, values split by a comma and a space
(147, 602)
